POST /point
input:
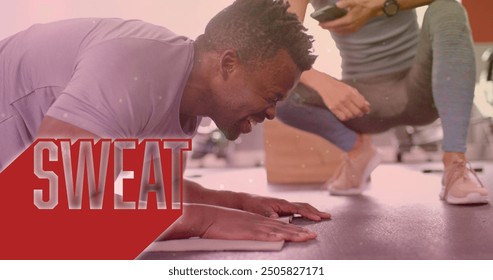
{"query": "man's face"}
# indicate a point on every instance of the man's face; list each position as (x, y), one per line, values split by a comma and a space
(249, 95)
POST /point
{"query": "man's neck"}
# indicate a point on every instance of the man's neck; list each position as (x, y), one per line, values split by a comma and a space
(195, 95)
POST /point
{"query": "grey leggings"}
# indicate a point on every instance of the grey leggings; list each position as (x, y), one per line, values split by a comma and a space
(439, 83)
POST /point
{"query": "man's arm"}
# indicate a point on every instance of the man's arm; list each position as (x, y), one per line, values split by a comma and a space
(195, 193)
(214, 222)
(265, 206)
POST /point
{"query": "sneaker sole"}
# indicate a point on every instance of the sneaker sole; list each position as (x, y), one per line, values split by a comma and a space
(472, 198)
(366, 184)
(353, 191)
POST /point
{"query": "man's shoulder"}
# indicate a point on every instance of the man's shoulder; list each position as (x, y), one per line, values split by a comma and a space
(113, 28)
(134, 37)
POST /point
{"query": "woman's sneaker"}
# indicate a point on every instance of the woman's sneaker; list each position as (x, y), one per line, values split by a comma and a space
(353, 175)
(461, 185)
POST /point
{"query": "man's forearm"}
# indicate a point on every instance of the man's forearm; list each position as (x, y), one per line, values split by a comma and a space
(195, 193)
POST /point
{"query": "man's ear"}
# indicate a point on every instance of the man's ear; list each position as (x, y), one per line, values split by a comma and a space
(229, 62)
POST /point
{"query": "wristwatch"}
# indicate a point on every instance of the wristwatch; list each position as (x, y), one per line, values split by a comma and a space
(390, 8)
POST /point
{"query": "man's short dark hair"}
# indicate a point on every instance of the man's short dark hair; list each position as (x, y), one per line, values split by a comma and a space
(258, 29)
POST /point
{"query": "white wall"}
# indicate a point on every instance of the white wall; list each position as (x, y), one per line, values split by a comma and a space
(187, 17)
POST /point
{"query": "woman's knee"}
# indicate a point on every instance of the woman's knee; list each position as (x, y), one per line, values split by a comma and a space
(293, 112)
(447, 15)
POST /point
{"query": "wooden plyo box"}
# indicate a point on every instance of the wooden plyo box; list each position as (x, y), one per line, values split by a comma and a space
(293, 156)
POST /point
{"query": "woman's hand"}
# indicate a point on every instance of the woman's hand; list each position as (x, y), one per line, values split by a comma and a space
(344, 101)
(359, 13)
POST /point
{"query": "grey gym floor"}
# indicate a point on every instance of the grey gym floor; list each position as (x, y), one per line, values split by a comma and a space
(400, 217)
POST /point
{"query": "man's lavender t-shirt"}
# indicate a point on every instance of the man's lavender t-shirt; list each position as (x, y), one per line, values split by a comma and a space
(111, 77)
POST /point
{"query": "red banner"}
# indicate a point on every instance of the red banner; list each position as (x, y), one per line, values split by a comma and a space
(104, 200)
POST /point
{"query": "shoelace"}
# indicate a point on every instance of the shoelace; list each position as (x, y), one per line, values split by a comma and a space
(461, 169)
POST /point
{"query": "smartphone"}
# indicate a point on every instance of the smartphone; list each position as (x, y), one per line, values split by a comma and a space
(328, 13)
